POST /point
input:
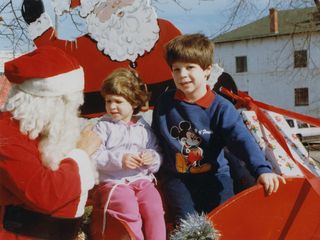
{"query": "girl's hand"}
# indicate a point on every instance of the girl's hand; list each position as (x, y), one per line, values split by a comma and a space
(131, 161)
(147, 157)
(270, 182)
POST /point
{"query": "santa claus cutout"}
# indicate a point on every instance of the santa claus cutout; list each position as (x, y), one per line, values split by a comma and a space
(121, 33)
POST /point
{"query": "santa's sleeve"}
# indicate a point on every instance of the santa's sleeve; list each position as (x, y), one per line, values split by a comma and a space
(61, 193)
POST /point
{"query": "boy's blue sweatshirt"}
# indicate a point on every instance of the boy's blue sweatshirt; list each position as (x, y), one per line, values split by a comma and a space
(184, 127)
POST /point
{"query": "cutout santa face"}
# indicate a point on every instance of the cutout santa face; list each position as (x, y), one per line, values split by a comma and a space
(105, 9)
(121, 33)
(123, 29)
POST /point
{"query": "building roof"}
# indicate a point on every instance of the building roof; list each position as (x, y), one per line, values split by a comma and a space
(289, 22)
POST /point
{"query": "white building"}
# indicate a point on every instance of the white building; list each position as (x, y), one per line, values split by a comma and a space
(276, 59)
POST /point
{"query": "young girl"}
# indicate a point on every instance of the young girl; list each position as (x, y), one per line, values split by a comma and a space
(126, 161)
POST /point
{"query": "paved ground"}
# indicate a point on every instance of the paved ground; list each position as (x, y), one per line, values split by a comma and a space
(314, 151)
(315, 155)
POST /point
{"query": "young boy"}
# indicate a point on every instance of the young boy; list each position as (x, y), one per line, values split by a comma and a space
(194, 124)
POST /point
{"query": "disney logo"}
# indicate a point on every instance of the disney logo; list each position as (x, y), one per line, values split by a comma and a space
(203, 131)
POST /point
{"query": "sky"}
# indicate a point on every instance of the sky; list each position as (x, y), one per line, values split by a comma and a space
(205, 16)
(191, 16)
(198, 16)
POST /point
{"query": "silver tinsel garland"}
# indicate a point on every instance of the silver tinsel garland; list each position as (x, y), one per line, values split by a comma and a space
(195, 227)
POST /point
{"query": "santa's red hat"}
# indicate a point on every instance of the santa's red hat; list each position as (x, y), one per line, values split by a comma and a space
(47, 71)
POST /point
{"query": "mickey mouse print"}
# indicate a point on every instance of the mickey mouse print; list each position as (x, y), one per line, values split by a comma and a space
(189, 159)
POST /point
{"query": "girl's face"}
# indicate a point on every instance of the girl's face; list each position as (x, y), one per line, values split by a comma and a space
(118, 107)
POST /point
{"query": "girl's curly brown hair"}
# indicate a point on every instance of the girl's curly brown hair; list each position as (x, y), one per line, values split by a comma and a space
(126, 83)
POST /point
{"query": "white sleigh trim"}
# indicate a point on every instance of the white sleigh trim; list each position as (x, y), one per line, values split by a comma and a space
(215, 73)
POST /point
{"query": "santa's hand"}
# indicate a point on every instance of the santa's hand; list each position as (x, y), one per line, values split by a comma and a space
(31, 10)
(89, 140)
(131, 161)
(270, 182)
(147, 157)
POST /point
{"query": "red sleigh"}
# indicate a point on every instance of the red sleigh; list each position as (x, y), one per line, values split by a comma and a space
(292, 213)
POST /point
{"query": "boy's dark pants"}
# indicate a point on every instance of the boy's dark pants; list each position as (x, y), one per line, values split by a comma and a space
(187, 193)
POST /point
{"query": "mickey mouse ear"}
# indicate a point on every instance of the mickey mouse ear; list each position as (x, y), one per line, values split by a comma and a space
(174, 132)
(184, 125)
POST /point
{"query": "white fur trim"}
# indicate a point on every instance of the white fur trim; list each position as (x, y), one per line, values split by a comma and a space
(82, 204)
(58, 85)
(39, 26)
(61, 6)
(215, 73)
(87, 177)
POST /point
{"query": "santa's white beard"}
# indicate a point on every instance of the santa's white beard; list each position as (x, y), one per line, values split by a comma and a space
(128, 33)
(53, 119)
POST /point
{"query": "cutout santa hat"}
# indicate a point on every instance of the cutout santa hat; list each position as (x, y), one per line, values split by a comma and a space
(47, 71)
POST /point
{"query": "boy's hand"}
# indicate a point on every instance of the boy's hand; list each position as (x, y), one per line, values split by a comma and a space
(270, 182)
(147, 157)
(131, 161)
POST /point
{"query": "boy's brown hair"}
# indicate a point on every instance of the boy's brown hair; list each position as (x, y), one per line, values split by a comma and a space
(190, 48)
(126, 83)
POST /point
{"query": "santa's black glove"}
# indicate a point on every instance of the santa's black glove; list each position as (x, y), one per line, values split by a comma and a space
(31, 10)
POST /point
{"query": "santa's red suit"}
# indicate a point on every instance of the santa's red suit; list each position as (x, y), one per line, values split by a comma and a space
(151, 65)
(30, 191)
(25, 181)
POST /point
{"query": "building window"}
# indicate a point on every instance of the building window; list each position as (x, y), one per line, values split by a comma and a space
(300, 58)
(241, 64)
(301, 96)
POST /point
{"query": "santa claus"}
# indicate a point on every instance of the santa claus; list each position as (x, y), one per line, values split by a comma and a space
(45, 171)
(121, 33)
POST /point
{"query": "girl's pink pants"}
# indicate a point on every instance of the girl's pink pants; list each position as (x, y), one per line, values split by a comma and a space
(138, 204)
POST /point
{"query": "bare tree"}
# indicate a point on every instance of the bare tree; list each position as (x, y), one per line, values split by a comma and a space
(13, 27)
(241, 12)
